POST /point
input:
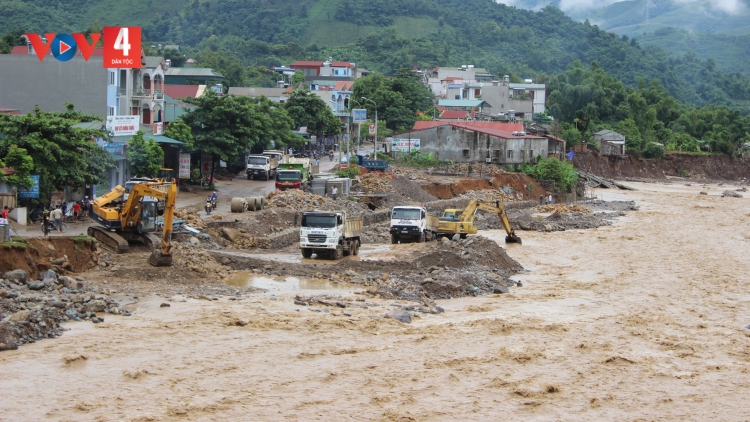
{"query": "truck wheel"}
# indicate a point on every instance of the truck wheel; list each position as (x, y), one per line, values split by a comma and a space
(355, 250)
(339, 252)
(420, 239)
(249, 177)
(349, 252)
(307, 252)
(394, 239)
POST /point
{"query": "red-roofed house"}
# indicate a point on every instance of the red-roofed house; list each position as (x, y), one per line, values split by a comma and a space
(454, 115)
(309, 68)
(486, 142)
(184, 91)
(10, 111)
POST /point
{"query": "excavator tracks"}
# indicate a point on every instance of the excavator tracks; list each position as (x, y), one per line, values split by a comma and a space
(110, 240)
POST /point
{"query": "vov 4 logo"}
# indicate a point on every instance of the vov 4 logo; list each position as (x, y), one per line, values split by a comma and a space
(122, 46)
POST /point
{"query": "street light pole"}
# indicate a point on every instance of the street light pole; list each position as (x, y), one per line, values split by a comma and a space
(376, 124)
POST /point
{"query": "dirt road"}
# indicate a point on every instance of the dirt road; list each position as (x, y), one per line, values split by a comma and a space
(641, 320)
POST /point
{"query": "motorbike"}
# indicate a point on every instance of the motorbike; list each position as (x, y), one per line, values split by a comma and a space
(209, 207)
(213, 204)
(52, 227)
(330, 157)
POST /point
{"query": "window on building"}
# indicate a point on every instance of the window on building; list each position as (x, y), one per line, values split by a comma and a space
(112, 78)
(111, 111)
(466, 153)
(510, 153)
(496, 154)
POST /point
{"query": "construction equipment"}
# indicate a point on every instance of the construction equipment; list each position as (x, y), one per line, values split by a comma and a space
(134, 219)
(413, 223)
(461, 222)
(329, 234)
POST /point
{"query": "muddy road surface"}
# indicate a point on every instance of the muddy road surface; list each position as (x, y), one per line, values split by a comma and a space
(644, 319)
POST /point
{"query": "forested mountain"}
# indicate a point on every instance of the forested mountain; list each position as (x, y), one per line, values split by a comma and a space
(385, 35)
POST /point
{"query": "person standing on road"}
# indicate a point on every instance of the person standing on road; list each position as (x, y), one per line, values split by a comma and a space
(5, 212)
(45, 222)
(76, 210)
(335, 192)
(64, 209)
(57, 216)
(550, 198)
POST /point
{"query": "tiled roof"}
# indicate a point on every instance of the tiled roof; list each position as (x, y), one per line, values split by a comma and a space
(305, 64)
(341, 64)
(181, 91)
(343, 86)
(10, 111)
(494, 129)
(454, 114)
(192, 71)
(153, 61)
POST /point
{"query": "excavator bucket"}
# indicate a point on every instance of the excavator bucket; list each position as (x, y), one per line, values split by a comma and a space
(159, 259)
(513, 239)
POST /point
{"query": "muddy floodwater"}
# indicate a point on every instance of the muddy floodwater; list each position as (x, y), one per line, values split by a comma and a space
(288, 284)
(642, 320)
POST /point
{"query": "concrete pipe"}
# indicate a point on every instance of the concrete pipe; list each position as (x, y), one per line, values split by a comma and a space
(250, 203)
(238, 205)
(258, 203)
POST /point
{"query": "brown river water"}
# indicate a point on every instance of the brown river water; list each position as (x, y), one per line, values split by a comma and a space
(643, 320)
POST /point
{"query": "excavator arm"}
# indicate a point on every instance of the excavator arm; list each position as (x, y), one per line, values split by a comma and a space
(496, 207)
(162, 256)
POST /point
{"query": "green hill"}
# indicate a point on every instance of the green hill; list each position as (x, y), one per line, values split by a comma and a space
(385, 35)
(705, 16)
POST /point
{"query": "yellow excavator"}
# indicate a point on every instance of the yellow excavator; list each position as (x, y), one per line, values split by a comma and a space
(134, 219)
(461, 222)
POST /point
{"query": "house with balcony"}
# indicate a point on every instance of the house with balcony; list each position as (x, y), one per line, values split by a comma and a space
(139, 92)
(506, 99)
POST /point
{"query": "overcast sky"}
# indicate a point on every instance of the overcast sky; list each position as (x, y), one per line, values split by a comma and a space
(575, 7)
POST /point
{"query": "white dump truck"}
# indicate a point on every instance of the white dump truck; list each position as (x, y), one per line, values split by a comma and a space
(413, 223)
(329, 234)
(261, 166)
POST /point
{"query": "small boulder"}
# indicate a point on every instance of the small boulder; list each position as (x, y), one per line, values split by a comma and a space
(95, 306)
(456, 237)
(402, 316)
(36, 285)
(194, 241)
(70, 282)
(19, 316)
(48, 275)
(500, 289)
(165, 305)
(230, 234)
(16, 276)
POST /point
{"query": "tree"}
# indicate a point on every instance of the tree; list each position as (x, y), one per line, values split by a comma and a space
(145, 157)
(562, 172)
(298, 78)
(63, 156)
(179, 131)
(226, 127)
(308, 110)
(11, 39)
(19, 160)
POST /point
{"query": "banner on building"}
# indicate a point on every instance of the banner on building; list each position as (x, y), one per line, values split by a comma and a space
(33, 191)
(359, 115)
(372, 130)
(158, 128)
(123, 125)
(184, 166)
(405, 145)
(207, 162)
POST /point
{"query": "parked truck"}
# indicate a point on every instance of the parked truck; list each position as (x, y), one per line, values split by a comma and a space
(413, 223)
(329, 234)
(372, 165)
(292, 176)
(262, 166)
(273, 153)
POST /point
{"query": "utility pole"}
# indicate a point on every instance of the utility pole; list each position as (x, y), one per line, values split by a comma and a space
(376, 124)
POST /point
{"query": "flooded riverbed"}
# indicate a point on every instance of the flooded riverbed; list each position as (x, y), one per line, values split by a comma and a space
(640, 320)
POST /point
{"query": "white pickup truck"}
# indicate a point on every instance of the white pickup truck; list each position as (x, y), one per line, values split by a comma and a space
(261, 166)
(329, 234)
(413, 223)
